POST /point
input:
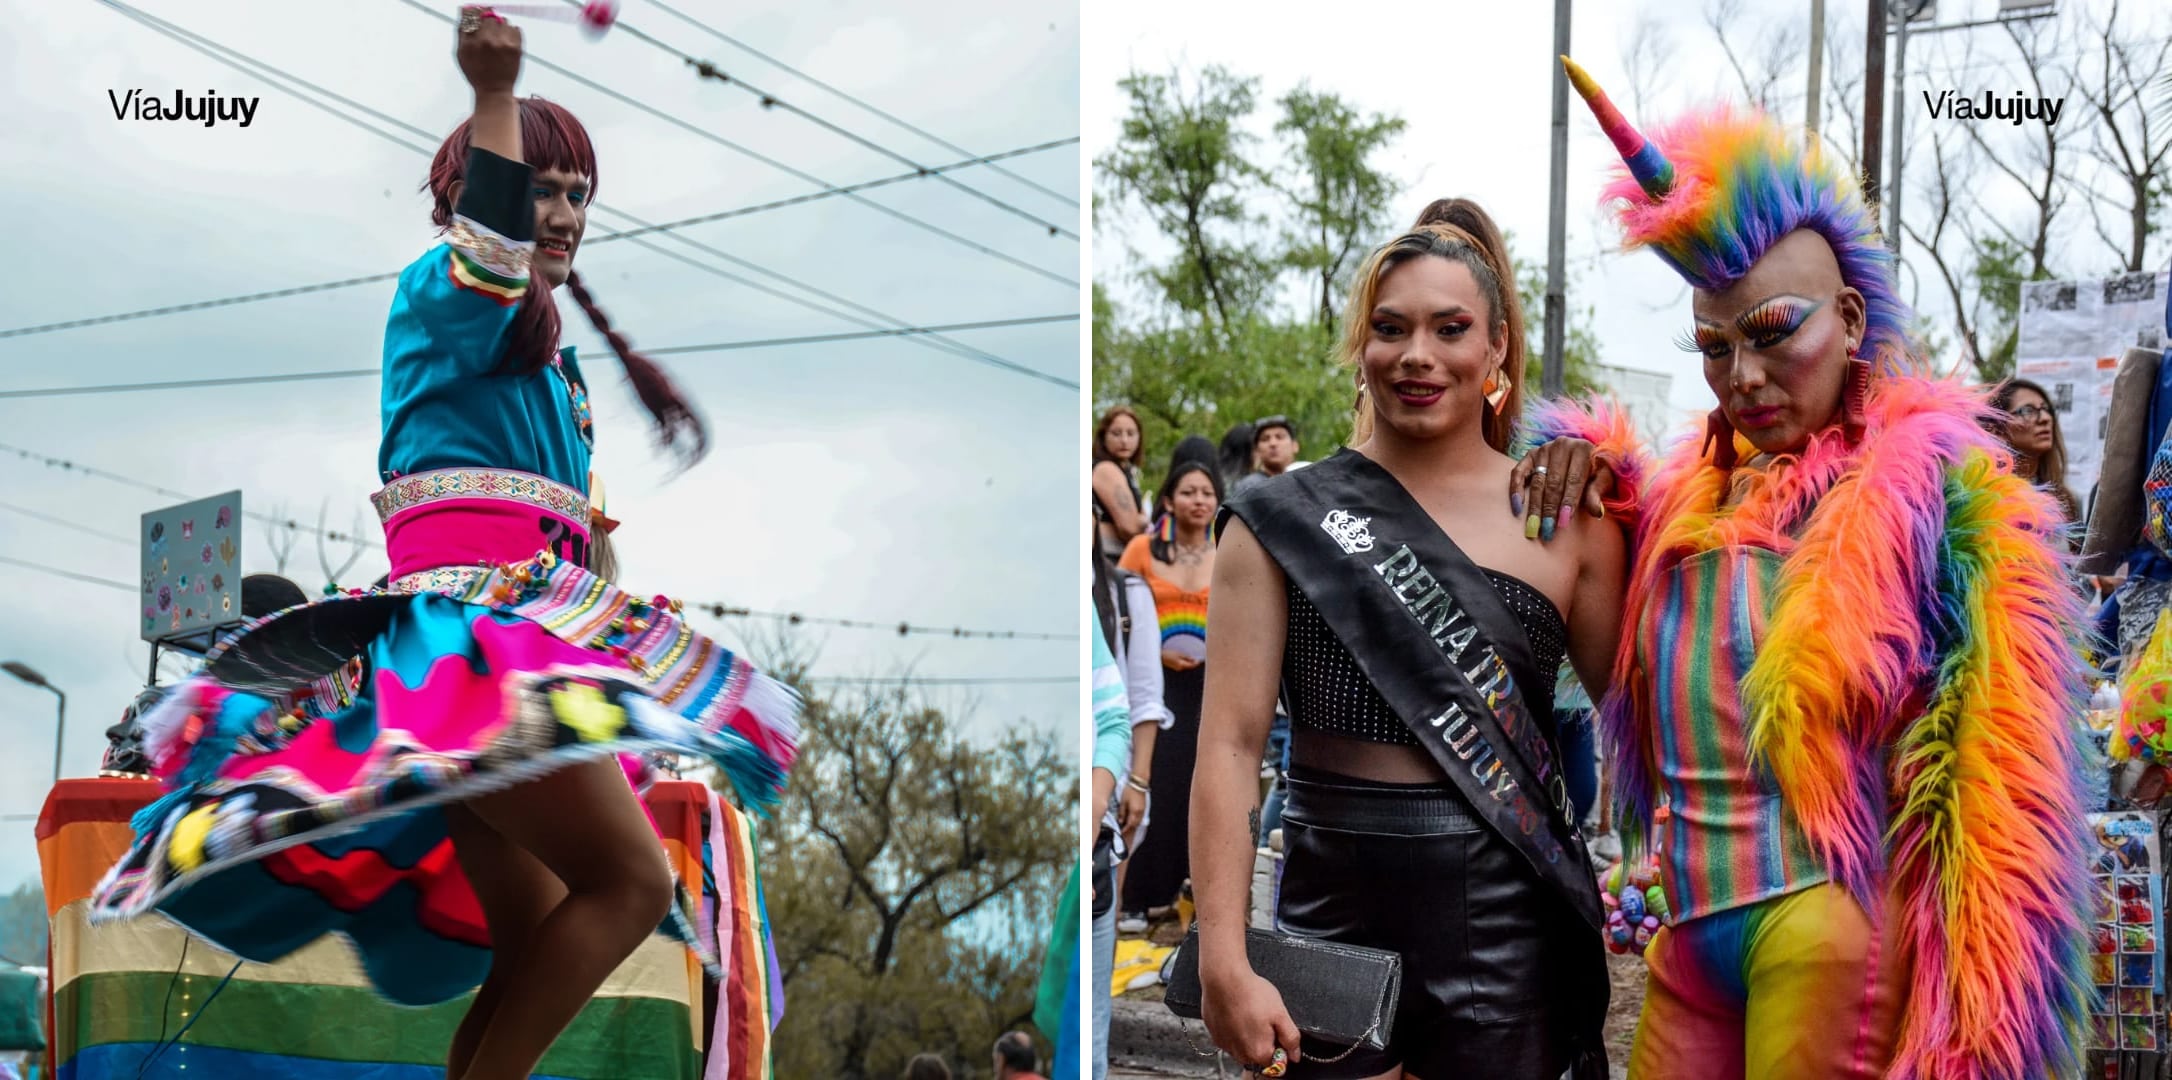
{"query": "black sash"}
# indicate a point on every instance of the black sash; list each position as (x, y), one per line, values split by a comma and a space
(1438, 642)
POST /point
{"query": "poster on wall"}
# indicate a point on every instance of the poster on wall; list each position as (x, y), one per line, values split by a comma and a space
(2072, 336)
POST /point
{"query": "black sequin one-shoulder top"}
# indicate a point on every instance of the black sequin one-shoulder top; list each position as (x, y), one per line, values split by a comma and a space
(1323, 687)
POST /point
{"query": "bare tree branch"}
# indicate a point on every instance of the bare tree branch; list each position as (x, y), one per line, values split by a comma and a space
(1644, 58)
(2127, 141)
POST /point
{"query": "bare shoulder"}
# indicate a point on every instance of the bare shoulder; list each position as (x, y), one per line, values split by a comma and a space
(1241, 561)
(1596, 538)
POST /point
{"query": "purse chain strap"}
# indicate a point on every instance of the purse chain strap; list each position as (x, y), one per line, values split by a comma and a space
(1215, 1052)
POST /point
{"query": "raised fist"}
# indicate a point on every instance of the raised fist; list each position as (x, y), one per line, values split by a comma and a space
(488, 51)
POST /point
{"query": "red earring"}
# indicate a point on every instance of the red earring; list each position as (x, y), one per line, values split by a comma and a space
(1855, 398)
(1717, 429)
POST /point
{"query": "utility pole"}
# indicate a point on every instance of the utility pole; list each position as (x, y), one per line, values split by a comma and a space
(1903, 12)
(1873, 99)
(1554, 377)
(1817, 63)
(30, 675)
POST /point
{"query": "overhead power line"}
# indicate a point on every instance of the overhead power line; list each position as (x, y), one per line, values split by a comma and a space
(199, 305)
(186, 384)
(709, 70)
(66, 524)
(623, 234)
(789, 69)
(802, 174)
(236, 59)
(902, 629)
(65, 465)
(202, 43)
(720, 610)
(669, 350)
(916, 680)
(58, 572)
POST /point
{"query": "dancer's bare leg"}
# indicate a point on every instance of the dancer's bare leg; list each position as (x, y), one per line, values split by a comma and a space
(516, 892)
(585, 826)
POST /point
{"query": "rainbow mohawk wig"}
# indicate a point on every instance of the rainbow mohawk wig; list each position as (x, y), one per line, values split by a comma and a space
(1711, 192)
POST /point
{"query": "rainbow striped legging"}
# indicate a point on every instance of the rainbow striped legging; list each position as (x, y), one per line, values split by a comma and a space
(1798, 987)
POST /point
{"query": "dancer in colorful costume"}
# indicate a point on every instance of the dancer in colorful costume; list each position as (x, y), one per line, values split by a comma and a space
(1848, 667)
(465, 811)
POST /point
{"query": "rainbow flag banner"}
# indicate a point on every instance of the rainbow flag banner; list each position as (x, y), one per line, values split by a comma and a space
(122, 993)
(751, 1001)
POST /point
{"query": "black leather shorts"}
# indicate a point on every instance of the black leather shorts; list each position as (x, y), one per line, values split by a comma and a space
(1410, 869)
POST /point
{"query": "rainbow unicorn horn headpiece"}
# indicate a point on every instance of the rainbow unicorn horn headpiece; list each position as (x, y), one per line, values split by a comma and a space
(1712, 191)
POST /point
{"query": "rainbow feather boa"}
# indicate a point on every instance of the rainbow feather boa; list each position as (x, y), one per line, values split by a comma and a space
(1917, 698)
(1613, 435)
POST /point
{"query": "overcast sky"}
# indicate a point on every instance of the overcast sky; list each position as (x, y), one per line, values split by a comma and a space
(865, 479)
(1472, 81)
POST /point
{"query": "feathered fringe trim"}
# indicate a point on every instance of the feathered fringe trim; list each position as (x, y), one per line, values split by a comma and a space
(756, 778)
(775, 707)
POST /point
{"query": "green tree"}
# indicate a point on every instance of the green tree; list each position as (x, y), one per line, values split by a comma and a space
(1181, 158)
(1579, 342)
(918, 874)
(1338, 201)
(1190, 380)
(1998, 271)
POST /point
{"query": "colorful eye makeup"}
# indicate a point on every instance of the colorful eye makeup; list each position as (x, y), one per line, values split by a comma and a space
(575, 196)
(1764, 326)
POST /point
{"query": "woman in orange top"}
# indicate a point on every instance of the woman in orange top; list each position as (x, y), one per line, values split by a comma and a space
(1177, 561)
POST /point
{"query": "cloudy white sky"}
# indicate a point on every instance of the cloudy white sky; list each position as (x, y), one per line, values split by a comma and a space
(1472, 81)
(865, 479)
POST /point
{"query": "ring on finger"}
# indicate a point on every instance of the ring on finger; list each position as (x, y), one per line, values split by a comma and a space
(471, 20)
(1541, 470)
(1276, 1065)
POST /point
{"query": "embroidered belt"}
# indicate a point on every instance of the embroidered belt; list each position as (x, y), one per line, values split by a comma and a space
(421, 489)
(457, 582)
(475, 517)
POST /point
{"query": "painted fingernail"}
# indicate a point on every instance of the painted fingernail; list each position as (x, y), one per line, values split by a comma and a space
(1566, 510)
(1515, 502)
(1546, 529)
(1531, 527)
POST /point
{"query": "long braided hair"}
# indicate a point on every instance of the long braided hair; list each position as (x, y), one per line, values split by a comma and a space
(550, 138)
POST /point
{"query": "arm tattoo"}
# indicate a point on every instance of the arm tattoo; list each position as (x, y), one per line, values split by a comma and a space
(1251, 819)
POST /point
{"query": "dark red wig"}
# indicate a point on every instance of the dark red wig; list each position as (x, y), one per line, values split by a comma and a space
(550, 138)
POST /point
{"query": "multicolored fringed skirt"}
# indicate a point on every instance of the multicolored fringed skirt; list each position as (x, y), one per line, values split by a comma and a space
(308, 762)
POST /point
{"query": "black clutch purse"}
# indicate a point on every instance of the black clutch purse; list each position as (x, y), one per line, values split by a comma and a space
(1342, 994)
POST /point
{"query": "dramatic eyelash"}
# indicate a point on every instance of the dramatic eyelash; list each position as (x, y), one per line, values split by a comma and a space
(1686, 340)
(1776, 319)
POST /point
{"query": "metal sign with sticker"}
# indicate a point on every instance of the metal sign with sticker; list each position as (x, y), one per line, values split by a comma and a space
(191, 569)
